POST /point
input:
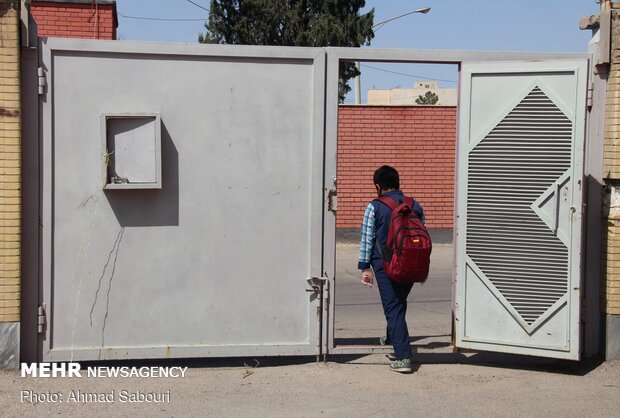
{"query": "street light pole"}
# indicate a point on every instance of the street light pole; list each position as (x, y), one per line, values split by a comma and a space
(358, 84)
(423, 10)
(358, 78)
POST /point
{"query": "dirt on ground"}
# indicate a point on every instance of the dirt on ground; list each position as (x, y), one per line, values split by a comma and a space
(354, 386)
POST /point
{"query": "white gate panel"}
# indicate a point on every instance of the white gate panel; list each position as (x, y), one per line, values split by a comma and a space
(216, 262)
(519, 207)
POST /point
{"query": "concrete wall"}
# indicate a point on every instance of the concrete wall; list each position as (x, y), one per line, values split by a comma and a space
(75, 19)
(10, 184)
(418, 141)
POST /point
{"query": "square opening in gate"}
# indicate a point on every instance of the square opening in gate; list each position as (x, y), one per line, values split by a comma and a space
(132, 154)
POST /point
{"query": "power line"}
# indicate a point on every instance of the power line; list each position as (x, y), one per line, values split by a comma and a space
(404, 74)
(160, 19)
(198, 5)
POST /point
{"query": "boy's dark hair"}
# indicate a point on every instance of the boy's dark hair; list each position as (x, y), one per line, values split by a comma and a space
(386, 177)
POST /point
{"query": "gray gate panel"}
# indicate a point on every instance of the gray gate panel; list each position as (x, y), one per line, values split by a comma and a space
(519, 207)
(214, 263)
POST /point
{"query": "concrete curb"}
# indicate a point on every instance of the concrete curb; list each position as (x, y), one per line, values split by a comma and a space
(352, 235)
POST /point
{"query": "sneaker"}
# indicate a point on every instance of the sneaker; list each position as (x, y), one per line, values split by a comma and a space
(401, 366)
(390, 356)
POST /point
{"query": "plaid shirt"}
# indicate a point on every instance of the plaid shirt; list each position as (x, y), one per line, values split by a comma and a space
(368, 235)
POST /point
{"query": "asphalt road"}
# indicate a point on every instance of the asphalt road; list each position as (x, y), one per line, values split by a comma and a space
(359, 315)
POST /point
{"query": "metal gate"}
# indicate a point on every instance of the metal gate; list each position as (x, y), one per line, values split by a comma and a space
(519, 193)
(182, 200)
(519, 207)
(188, 194)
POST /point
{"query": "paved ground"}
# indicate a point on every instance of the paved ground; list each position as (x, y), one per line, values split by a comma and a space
(444, 384)
(359, 314)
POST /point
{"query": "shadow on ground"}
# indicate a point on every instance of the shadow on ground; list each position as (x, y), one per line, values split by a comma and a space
(370, 341)
(482, 359)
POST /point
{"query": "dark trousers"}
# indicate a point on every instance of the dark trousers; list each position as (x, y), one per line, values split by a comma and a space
(394, 300)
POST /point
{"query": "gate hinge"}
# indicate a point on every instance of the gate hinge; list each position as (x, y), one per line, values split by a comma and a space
(42, 83)
(332, 200)
(325, 291)
(589, 97)
(41, 319)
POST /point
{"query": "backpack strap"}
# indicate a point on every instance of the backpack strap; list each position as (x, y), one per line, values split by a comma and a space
(410, 201)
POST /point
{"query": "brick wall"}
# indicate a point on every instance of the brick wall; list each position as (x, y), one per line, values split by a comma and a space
(418, 141)
(612, 101)
(10, 176)
(75, 19)
(610, 288)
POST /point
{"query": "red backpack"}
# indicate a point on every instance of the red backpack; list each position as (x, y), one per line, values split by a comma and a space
(407, 254)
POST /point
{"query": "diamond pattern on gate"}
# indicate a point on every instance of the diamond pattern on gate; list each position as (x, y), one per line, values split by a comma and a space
(518, 161)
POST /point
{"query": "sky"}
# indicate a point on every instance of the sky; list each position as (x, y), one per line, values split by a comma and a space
(490, 25)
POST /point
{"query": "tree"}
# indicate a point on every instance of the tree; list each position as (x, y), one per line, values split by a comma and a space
(429, 98)
(316, 23)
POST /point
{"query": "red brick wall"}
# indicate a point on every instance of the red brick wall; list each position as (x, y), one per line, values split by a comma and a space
(74, 20)
(418, 141)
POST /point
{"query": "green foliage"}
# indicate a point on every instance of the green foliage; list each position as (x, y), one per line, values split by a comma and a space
(316, 23)
(429, 98)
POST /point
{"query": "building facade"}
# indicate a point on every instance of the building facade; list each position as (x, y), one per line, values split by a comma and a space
(75, 18)
(407, 97)
(610, 286)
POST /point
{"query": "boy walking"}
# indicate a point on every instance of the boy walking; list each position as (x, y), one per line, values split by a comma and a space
(393, 295)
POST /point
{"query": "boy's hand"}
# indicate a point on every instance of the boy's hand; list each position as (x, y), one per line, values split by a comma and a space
(367, 277)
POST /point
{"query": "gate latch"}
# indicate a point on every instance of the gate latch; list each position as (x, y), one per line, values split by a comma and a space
(119, 180)
(316, 286)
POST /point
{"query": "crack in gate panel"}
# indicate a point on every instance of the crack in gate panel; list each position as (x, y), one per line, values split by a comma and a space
(508, 170)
